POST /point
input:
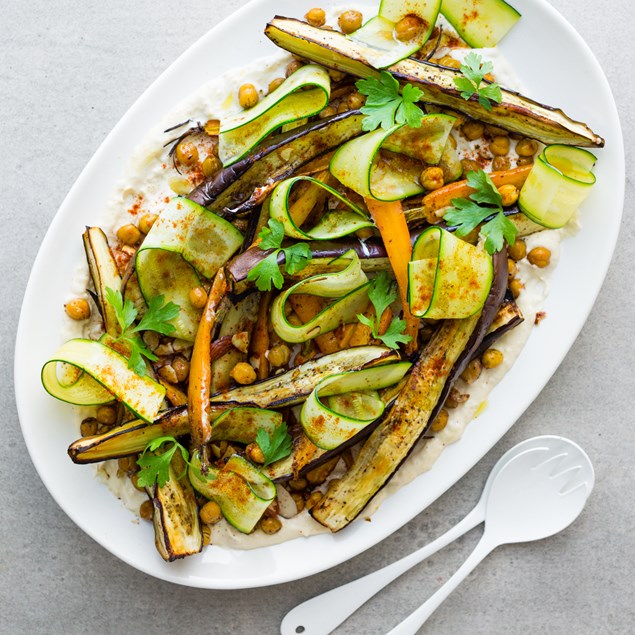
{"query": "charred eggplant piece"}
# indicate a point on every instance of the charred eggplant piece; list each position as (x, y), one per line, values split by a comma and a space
(440, 364)
(515, 112)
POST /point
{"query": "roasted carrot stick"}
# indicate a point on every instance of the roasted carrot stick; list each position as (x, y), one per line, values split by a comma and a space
(260, 338)
(306, 307)
(391, 222)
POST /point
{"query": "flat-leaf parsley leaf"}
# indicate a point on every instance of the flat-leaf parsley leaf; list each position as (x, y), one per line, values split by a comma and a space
(274, 446)
(155, 467)
(474, 70)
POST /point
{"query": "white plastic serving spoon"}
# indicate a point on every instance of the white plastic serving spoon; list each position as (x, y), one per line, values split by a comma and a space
(535, 490)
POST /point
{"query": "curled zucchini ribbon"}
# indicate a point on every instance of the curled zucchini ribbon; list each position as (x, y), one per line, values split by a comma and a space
(94, 374)
(334, 224)
(341, 405)
(559, 181)
(242, 492)
(349, 286)
(379, 32)
(241, 424)
(447, 277)
(358, 164)
(185, 241)
(286, 104)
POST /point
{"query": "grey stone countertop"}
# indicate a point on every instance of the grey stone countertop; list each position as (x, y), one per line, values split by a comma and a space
(68, 72)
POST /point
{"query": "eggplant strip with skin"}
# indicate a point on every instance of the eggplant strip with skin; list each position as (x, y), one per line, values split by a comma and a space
(515, 112)
(441, 362)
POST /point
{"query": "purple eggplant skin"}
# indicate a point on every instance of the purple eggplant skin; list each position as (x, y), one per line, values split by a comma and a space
(241, 187)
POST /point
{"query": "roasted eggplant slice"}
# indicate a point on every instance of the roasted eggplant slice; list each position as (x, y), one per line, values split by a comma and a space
(515, 112)
(441, 362)
(177, 529)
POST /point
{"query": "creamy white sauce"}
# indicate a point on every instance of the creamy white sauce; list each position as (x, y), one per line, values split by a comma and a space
(149, 182)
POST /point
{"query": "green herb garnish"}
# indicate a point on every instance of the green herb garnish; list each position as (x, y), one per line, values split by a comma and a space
(267, 271)
(155, 468)
(382, 293)
(274, 446)
(474, 70)
(484, 202)
(156, 318)
(385, 106)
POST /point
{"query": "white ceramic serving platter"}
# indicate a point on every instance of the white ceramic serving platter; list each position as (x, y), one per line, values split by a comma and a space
(556, 67)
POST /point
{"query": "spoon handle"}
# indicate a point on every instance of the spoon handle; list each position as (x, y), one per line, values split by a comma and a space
(323, 613)
(415, 620)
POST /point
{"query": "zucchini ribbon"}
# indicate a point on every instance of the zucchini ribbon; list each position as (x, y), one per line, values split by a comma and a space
(559, 181)
(286, 104)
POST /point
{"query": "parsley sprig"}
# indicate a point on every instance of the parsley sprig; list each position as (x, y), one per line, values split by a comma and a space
(385, 106)
(382, 293)
(267, 271)
(156, 318)
(274, 446)
(474, 70)
(155, 467)
(484, 202)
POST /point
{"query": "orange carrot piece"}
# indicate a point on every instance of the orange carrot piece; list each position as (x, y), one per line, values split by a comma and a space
(260, 338)
(306, 307)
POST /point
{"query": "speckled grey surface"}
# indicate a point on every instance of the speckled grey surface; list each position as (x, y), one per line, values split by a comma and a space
(68, 72)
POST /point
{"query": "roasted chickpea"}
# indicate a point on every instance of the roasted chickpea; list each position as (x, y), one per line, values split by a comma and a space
(247, 96)
(186, 153)
(146, 510)
(293, 66)
(298, 484)
(279, 355)
(518, 250)
(299, 501)
(198, 297)
(495, 131)
(342, 107)
(243, 373)
(509, 194)
(127, 463)
(408, 28)
(492, 358)
(469, 165)
(329, 111)
(472, 130)
(212, 127)
(432, 178)
(455, 398)
(135, 481)
(524, 161)
(151, 339)
(254, 453)
(211, 165)
(207, 535)
(499, 146)
(472, 372)
(336, 76)
(355, 100)
(500, 163)
(168, 373)
(316, 17)
(181, 368)
(275, 83)
(526, 148)
(106, 415)
(349, 21)
(450, 62)
(210, 513)
(511, 268)
(77, 309)
(270, 525)
(516, 286)
(313, 500)
(88, 427)
(540, 257)
(128, 234)
(440, 421)
(146, 222)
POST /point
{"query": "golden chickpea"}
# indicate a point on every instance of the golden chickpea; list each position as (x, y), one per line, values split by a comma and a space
(355, 100)
(440, 421)
(518, 250)
(524, 161)
(500, 163)
(129, 234)
(207, 535)
(168, 373)
(472, 130)
(279, 355)
(254, 453)
(247, 96)
(456, 398)
(88, 427)
(106, 415)
(299, 501)
(450, 62)
(275, 83)
(127, 463)
(181, 368)
(313, 500)
(540, 257)
(342, 107)
(77, 309)
(495, 131)
(211, 165)
(292, 67)
(516, 286)
(329, 111)
(316, 17)
(432, 178)
(511, 268)
(472, 371)
(198, 297)
(298, 484)
(526, 148)
(146, 222)
(270, 525)
(243, 373)
(135, 481)
(350, 21)
(186, 153)
(492, 358)
(499, 146)
(408, 28)
(336, 76)
(146, 510)
(509, 194)
(210, 513)
(469, 165)
(212, 127)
